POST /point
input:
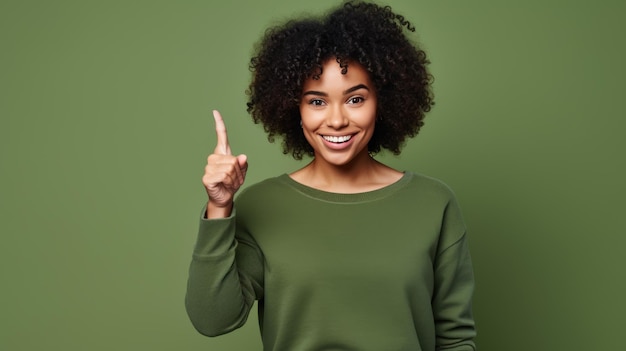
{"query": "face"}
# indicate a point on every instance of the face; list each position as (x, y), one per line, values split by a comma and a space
(338, 113)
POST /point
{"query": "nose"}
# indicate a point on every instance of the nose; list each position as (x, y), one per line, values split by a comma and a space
(337, 118)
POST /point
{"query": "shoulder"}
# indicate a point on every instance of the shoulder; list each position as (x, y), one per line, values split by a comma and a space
(453, 225)
(264, 204)
(428, 185)
(266, 189)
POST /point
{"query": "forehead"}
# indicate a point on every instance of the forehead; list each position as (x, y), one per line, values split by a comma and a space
(332, 77)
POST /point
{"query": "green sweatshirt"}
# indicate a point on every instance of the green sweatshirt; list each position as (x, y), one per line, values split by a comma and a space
(383, 270)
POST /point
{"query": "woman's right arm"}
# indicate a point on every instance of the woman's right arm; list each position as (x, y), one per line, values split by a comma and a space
(225, 277)
(224, 272)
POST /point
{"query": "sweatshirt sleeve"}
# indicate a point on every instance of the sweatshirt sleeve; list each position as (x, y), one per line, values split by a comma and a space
(225, 277)
(454, 286)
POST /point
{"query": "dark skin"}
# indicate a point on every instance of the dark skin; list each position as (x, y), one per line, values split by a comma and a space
(343, 107)
(338, 119)
(224, 173)
(291, 70)
(353, 33)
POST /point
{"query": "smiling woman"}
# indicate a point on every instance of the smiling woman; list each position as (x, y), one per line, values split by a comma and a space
(345, 253)
(338, 113)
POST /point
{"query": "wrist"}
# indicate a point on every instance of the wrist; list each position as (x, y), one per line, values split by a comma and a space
(214, 210)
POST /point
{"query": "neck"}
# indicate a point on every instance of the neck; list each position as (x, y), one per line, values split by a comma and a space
(357, 168)
(361, 174)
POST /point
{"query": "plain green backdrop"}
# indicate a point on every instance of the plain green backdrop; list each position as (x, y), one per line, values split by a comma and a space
(105, 128)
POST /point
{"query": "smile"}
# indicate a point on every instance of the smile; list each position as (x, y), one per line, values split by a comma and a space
(337, 139)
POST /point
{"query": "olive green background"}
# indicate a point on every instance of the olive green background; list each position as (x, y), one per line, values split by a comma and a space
(105, 126)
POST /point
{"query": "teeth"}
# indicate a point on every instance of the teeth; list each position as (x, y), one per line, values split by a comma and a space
(337, 139)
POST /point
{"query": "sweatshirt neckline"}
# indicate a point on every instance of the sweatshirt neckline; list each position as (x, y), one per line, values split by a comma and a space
(348, 197)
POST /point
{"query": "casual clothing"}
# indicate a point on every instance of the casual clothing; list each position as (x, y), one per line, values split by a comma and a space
(385, 270)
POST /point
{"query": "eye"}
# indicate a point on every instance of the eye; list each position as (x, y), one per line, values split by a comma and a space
(316, 102)
(355, 100)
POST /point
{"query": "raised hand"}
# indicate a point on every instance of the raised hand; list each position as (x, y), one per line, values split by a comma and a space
(224, 173)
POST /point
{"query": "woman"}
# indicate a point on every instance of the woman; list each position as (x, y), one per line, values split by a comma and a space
(345, 253)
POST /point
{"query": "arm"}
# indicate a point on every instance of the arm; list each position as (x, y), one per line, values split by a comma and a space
(225, 272)
(225, 277)
(454, 286)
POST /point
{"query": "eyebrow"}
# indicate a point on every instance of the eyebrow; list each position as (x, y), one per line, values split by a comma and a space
(347, 91)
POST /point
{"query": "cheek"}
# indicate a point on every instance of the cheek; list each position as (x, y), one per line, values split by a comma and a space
(368, 119)
(307, 125)
(310, 120)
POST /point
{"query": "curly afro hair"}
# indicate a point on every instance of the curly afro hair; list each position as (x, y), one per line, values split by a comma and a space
(356, 31)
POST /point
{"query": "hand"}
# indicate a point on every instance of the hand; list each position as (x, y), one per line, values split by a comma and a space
(224, 173)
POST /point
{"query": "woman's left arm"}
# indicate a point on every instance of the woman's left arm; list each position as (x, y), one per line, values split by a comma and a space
(454, 286)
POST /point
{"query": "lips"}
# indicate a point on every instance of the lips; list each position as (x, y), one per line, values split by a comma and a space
(337, 139)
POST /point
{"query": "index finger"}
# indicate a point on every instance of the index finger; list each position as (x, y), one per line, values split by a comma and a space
(222, 146)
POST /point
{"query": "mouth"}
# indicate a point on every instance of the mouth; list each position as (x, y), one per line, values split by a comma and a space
(337, 139)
